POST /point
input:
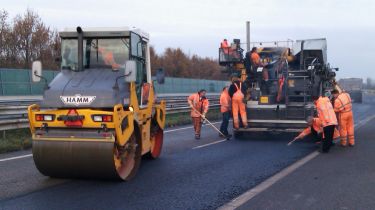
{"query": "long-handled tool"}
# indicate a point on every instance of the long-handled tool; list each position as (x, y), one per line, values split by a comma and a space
(291, 142)
(204, 118)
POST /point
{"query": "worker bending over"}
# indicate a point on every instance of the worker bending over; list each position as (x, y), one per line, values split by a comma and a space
(343, 107)
(199, 107)
(315, 128)
(237, 91)
(225, 108)
(328, 119)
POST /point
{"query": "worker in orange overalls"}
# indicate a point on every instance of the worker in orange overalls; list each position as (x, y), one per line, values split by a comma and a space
(225, 108)
(328, 119)
(343, 107)
(237, 92)
(315, 128)
(199, 107)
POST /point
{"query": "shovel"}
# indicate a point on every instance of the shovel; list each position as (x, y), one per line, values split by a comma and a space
(205, 119)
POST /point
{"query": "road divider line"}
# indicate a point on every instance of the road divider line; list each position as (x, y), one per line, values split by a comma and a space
(237, 202)
(248, 195)
(30, 155)
(184, 128)
(15, 158)
(212, 143)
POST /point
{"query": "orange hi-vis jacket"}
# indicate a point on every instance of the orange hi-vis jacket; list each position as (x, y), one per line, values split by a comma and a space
(255, 59)
(198, 104)
(108, 58)
(343, 103)
(225, 102)
(325, 111)
(318, 127)
(225, 46)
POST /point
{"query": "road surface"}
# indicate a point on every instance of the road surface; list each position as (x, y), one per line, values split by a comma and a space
(190, 174)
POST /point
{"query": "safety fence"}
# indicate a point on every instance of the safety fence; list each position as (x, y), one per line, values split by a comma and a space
(13, 113)
(15, 82)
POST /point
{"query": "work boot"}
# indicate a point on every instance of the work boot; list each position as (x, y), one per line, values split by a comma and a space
(221, 135)
(197, 136)
(351, 145)
(228, 136)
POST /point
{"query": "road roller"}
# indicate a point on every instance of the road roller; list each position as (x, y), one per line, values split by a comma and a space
(99, 116)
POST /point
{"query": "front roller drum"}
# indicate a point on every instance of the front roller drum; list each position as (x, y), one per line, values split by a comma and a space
(87, 159)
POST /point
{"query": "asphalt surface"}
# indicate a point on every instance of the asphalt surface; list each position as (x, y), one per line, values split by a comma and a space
(190, 174)
(341, 179)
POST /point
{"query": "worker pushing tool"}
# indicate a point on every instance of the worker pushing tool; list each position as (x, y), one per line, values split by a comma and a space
(315, 128)
(199, 108)
(343, 107)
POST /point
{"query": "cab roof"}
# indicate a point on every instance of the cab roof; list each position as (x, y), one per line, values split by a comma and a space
(103, 32)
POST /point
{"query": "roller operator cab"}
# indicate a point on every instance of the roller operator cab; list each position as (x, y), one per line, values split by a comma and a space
(281, 91)
(98, 116)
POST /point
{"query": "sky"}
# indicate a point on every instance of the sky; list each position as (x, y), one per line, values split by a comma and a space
(198, 26)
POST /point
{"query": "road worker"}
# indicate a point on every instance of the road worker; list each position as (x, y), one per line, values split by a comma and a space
(315, 128)
(225, 108)
(199, 107)
(237, 92)
(108, 58)
(225, 46)
(343, 107)
(255, 59)
(328, 119)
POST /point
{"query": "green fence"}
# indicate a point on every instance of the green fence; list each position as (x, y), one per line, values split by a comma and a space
(15, 82)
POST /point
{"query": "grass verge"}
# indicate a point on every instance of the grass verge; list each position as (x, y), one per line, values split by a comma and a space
(17, 139)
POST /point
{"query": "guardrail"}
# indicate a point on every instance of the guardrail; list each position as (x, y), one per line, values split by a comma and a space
(13, 112)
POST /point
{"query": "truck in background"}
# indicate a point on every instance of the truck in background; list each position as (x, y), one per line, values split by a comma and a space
(354, 87)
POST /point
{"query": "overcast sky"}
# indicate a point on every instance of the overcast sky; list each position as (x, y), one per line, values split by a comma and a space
(198, 26)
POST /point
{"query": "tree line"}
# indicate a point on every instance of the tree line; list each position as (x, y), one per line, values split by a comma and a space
(26, 38)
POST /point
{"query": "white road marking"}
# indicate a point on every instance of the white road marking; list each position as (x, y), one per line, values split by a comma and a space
(237, 202)
(212, 143)
(185, 128)
(248, 195)
(17, 157)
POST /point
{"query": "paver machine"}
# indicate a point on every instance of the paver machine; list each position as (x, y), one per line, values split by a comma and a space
(99, 115)
(281, 90)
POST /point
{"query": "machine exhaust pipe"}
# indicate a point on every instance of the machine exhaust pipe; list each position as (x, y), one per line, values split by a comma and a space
(80, 48)
(248, 36)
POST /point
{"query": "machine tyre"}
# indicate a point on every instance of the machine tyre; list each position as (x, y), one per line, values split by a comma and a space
(238, 134)
(156, 143)
(129, 158)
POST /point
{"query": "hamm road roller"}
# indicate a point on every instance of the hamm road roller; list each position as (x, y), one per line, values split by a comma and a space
(99, 115)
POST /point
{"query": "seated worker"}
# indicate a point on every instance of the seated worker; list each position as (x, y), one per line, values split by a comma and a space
(108, 58)
(315, 128)
(237, 91)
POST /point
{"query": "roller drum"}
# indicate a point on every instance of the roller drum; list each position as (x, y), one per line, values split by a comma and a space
(75, 159)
